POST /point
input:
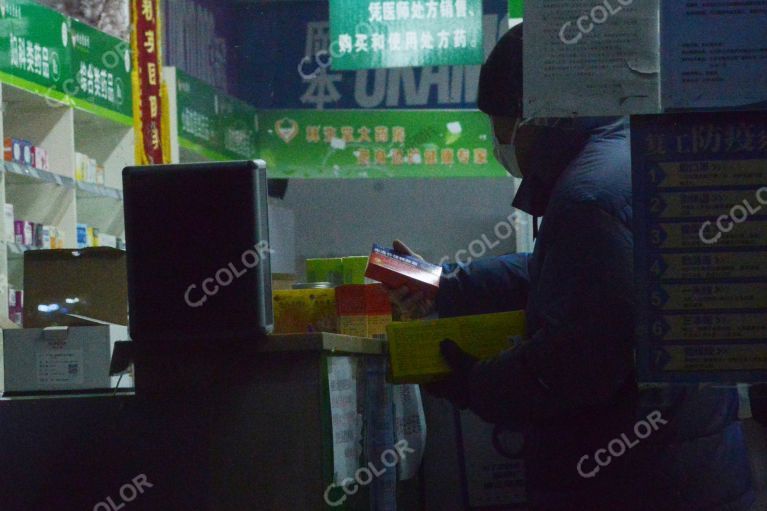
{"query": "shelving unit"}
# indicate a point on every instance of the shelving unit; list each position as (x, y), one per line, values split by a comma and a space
(111, 144)
(54, 197)
(77, 99)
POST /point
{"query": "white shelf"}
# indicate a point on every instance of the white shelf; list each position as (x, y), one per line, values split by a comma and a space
(20, 174)
(35, 176)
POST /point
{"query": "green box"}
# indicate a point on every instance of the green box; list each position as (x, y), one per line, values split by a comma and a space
(325, 270)
(354, 269)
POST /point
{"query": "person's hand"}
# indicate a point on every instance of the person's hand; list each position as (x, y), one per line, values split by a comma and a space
(455, 386)
(412, 305)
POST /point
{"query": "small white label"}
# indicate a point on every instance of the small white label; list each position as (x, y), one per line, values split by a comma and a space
(60, 367)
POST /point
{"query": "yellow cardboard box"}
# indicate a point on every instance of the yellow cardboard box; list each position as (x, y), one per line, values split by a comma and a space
(414, 345)
(304, 310)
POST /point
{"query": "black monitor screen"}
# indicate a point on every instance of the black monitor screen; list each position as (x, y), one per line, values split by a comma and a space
(198, 251)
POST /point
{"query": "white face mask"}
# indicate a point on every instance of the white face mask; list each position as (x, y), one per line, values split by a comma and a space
(506, 154)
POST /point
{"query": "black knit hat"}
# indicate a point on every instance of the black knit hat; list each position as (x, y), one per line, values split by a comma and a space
(500, 79)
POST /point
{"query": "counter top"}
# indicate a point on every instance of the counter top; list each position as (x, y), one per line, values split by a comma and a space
(323, 341)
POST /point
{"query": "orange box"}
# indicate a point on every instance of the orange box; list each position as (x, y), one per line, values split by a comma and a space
(396, 270)
(364, 310)
(8, 149)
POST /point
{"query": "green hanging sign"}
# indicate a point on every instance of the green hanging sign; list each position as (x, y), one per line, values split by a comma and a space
(34, 47)
(212, 124)
(101, 71)
(516, 9)
(374, 34)
(377, 144)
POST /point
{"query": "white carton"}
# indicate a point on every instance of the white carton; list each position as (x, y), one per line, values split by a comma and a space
(80, 166)
(60, 359)
(107, 240)
(90, 172)
(48, 235)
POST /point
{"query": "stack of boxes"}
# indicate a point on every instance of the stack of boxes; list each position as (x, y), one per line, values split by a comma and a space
(88, 170)
(31, 234)
(349, 303)
(88, 236)
(26, 153)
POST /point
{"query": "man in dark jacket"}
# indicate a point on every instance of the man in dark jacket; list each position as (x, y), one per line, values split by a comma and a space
(594, 440)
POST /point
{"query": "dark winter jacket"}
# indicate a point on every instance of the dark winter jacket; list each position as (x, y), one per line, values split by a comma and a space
(571, 388)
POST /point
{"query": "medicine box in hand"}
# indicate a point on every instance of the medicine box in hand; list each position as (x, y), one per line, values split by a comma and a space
(414, 346)
(396, 270)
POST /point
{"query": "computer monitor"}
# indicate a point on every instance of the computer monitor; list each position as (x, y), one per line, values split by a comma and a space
(198, 252)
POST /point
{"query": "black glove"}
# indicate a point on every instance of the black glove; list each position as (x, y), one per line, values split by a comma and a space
(455, 386)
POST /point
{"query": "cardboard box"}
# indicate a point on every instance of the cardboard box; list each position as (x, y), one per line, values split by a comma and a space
(80, 166)
(37, 235)
(41, 159)
(57, 238)
(82, 236)
(18, 231)
(23, 232)
(396, 271)
(9, 219)
(16, 306)
(354, 269)
(16, 317)
(17, 151)
(90, 170)
(325, 270)
(107, 240)
(90, 282)
(47, 237)
(414, 355)
(92, 239)
(8, 149)
(61, 359)
(27, 153)
(304, 310)
(100, 175)
(363, 310)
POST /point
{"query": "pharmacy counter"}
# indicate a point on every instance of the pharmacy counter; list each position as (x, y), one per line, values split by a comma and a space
(223, 430)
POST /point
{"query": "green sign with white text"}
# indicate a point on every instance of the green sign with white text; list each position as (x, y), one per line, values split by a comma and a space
(101, 65)
(34, 47)
(373, 34)
(238, 123)
(377, 144)
(212, 124)
(196, 111)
